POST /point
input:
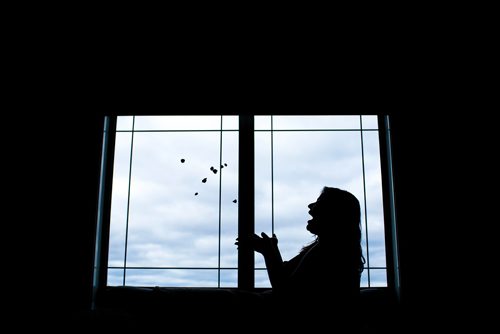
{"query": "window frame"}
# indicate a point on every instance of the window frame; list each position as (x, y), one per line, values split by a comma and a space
(246, 200)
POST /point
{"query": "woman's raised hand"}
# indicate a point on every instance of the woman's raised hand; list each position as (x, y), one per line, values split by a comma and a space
(262, 244)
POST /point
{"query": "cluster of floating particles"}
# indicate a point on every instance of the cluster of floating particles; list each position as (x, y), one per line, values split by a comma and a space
(204, 180)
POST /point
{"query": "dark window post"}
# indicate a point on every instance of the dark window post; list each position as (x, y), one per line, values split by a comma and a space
(104, 206)
(389, 207)
(246, 215)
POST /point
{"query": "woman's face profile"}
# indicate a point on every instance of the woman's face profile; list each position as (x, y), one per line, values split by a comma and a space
(313, 225)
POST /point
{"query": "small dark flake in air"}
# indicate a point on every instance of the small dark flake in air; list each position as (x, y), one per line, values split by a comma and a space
(234, 201)
(204, 180)
(196, 194)
(215, 171)
(225, 164)
(182, 160)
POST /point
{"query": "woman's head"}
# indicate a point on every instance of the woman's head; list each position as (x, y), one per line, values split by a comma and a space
(336, 221)
(335, 210)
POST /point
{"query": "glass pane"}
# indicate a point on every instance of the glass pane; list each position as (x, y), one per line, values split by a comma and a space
(230, 123)
(229, 199)
(305, 158)
(375, 209)
(263, 185)
(228, 278)
(177, 122)
(370, 122)
(172, 277)
(262, 122)
(115, 277)
(124, 123)
(119, 200)
(364, 279)
(173, 212)
(316, 122)
(364, 244)
(262, 279)
(378, 277)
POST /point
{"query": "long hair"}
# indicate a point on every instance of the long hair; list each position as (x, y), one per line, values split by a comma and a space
(342, 222)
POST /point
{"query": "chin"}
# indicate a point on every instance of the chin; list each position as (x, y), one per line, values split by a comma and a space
(311, 229)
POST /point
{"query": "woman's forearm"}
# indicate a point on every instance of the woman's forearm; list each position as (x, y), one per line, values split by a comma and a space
(274, 265)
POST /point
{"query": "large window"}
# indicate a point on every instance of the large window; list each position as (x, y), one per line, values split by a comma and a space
(175, 182)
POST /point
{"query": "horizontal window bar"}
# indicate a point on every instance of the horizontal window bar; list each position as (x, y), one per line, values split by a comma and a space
(185, 130)
(210, 268)
(313, 130)
(259, 130)
(201, 268)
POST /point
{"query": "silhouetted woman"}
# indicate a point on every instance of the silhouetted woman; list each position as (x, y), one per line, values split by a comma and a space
(328, 270)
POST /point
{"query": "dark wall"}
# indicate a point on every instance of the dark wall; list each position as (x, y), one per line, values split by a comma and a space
(414, 146)
(442, 163)
(55, 170)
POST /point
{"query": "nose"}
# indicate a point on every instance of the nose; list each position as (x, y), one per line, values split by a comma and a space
(311, 205)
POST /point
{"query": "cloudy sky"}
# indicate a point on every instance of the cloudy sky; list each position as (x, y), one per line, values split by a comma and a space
(173, 216)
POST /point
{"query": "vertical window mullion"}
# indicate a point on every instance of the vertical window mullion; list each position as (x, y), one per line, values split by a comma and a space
(388, 203)
(220, 204)
(104, 207)
(128, 201)
(246, 188)
(272, 176)
(364, 198)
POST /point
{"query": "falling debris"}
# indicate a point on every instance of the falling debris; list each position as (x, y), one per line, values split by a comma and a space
(234, 201)
(213, 170)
